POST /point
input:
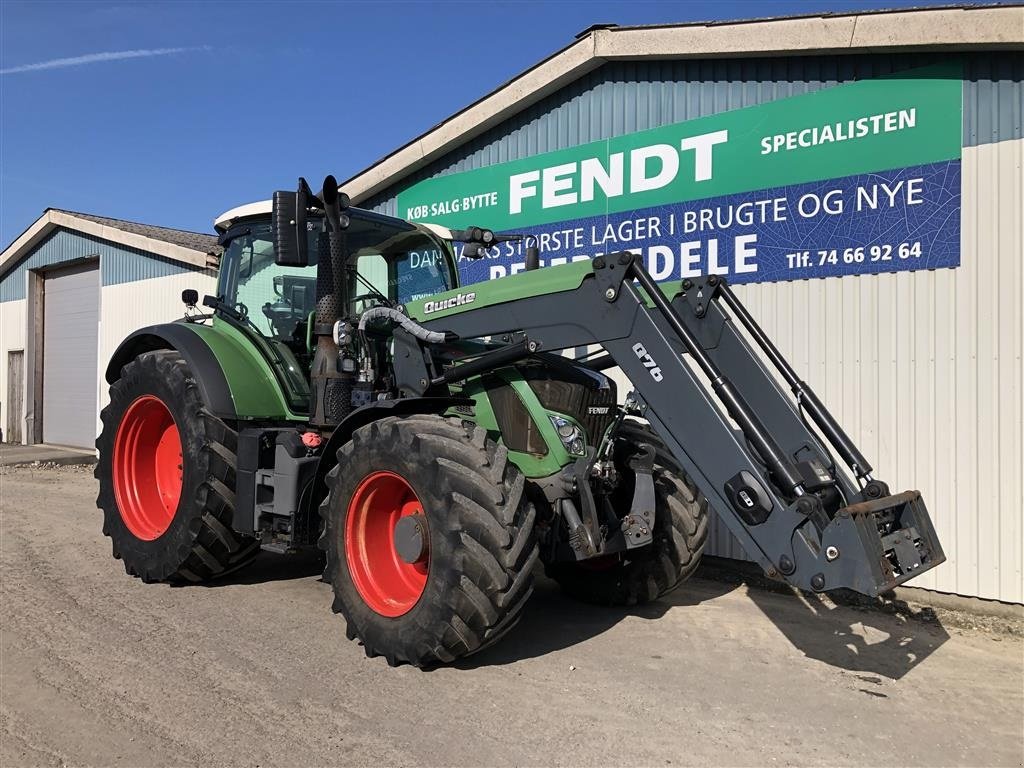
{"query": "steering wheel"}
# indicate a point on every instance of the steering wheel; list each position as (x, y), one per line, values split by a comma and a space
(371, 296)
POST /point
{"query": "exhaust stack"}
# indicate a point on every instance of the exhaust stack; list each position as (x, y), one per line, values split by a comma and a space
(332, 374)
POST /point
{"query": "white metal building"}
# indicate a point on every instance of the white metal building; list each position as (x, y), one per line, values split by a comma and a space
(72, 286)
(920, 363)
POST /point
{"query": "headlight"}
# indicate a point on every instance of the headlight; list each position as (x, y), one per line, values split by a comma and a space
(570, 435)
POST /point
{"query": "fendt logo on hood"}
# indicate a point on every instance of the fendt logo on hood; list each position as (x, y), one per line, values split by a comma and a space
(455, 301)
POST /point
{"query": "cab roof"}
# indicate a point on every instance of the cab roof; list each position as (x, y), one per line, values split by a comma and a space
(226, 220)
(223, 222)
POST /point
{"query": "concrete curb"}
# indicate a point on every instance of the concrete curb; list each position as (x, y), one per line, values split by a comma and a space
(43, 455)
(61, 461)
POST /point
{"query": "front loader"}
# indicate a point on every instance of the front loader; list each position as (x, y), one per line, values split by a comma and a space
(345, 392)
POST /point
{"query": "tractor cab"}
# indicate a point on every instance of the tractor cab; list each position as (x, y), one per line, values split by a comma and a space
(390, 262)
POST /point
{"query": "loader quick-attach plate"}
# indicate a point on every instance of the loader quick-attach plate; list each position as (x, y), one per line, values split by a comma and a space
(896, 538)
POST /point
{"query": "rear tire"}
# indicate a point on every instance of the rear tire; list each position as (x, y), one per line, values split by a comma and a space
(680, 533)
(473, 577)
(167, 476)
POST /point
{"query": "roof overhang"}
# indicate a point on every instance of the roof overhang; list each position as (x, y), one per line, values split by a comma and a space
(52, 219)
(928, 29)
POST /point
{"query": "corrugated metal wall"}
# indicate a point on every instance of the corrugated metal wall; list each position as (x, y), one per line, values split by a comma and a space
(126, 307)
(118, 263)
(923, 369)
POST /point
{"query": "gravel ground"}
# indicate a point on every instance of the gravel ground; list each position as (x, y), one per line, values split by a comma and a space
(100, 669)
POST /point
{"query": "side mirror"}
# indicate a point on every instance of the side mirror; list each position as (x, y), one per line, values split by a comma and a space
(288, 226)
(190, 297)
(477, 241)
(532, 258)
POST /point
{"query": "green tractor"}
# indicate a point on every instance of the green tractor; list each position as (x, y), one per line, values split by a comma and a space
(344, 391)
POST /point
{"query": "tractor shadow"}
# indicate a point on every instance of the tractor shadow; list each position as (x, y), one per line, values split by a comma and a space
(552, 621)
(268, 566)
(878, 636)
(881, 637)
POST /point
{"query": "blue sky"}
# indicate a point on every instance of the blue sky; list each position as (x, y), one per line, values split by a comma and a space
(170, 113)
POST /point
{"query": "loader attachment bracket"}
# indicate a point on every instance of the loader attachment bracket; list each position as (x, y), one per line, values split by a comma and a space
(700, 293)
(638, 525)
(874, 546)
(610, 271)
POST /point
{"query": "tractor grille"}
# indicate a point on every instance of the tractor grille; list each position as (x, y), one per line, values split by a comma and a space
(518, 431)
(587, 396)
(597, 412)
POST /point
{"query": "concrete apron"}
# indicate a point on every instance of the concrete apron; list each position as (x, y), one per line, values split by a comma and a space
(20, 455)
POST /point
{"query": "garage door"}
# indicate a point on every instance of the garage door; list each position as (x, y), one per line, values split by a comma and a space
(71, 313)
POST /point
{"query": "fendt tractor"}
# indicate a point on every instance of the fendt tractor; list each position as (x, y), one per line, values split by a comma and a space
(343, 390)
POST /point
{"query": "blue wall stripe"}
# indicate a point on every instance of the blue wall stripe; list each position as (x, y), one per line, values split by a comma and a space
(118, 263)
(622, 97)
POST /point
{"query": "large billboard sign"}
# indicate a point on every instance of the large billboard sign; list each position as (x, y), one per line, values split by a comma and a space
(858, 178)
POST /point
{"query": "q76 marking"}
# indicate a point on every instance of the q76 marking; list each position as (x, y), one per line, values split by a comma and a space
(641, 352)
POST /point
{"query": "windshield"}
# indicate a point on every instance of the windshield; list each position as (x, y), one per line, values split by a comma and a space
(274, 299)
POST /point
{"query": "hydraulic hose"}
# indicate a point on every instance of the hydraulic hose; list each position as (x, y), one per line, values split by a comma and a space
(410, 325)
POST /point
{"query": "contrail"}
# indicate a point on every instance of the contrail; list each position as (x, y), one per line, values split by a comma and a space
(93, 58)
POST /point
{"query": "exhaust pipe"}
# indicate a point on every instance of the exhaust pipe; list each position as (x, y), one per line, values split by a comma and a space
(332, 374)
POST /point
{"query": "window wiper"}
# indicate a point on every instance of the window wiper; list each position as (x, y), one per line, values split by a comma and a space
(218, 304)
(241, 318)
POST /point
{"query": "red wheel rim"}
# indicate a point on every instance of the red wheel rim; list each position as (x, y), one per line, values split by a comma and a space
(147, 468)
(386, 582)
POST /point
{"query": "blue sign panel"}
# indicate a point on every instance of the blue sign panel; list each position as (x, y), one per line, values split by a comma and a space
(896, 220)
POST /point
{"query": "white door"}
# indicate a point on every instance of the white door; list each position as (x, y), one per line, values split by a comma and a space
(71, 313)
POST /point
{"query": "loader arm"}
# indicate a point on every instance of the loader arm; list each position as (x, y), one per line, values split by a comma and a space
(768, 474)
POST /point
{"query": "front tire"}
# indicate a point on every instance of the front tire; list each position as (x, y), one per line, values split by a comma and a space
(680, 533)
(167, 476)
(456, 577)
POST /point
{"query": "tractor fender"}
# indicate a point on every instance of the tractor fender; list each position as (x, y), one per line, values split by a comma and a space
(367, 414)
(210, 378)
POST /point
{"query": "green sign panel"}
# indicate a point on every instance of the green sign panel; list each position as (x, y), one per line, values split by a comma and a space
(913, 119)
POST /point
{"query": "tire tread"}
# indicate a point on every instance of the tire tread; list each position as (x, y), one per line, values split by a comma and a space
(489, 521)
(216, 549)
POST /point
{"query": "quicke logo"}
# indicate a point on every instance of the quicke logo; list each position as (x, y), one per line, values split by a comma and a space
(457, 300)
